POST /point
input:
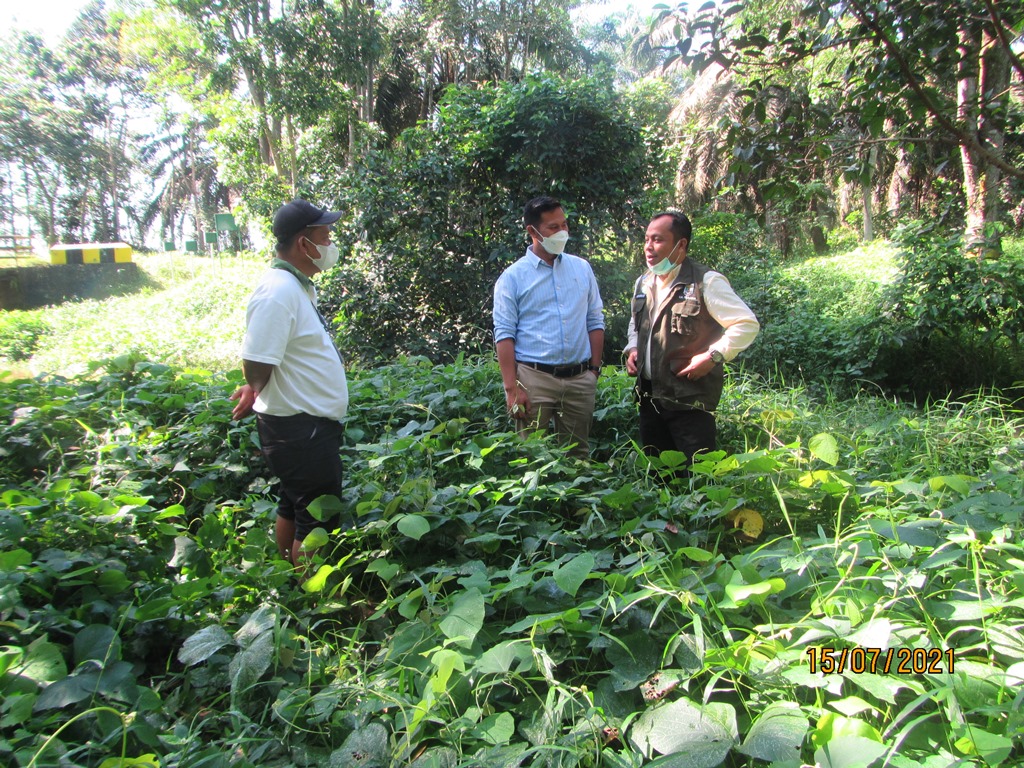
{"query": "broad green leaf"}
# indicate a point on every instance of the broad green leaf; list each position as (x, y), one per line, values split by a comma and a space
(142, 761)
(823, 446)
(571, 575)
(884, 687)
(325, 507)
(385, 570)
(621, 498)
(465, 618)
(874, 634)
(12, 527)
(263, 619)
(832, 726)
(10, 655)
(956, 483)
(43, 662)
(316, 539)
(496, 729)
(507, 656)
(446, 661)
(741, 594)
(993, 748)
(248, 666)
(318, 581)
(115, 682)
(97, 642)
(413, 526)
(778, 734)
(634, 658)
(674, 459)
(14, 559)
(702, 734)
(201, 645)
(697, 554)
(849, 751)
(112, 582)
(364, 748)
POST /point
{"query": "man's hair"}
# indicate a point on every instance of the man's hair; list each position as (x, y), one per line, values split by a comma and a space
(282, 247)
(534, 209)
(682, 229)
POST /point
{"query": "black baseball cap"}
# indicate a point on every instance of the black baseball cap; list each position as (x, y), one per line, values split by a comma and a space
(291, 218)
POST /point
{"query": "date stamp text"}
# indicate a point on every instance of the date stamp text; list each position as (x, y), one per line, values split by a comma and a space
(880, 661)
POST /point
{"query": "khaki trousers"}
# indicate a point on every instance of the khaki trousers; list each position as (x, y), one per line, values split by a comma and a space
(567, 402)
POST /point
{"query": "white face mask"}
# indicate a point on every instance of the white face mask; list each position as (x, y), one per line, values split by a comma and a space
(329, 255)
(665, 266)
(554, 244)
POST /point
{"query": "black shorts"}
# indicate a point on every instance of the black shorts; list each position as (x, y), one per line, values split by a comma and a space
(305, 453)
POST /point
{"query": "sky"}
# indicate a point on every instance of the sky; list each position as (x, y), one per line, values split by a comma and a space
(52, 17)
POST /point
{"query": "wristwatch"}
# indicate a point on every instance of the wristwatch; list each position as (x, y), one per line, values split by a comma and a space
(717, 357)
(594, 369)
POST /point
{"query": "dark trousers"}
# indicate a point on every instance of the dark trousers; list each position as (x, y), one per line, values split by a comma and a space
(687, 431)
(305, 453)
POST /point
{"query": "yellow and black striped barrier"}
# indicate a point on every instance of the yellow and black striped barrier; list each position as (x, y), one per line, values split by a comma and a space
(91, 253)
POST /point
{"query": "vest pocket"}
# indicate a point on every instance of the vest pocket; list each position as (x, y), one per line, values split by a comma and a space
(683, 315)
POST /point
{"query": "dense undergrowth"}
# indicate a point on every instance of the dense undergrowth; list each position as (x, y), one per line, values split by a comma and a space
(498, 604)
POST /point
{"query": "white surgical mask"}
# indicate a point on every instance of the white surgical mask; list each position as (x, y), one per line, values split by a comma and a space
(665, 266)
(329, 255)
(556, 243)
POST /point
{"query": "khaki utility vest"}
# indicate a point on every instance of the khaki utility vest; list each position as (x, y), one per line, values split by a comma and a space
(682, 327)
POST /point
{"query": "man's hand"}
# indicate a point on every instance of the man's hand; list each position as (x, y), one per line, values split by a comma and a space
(631, 368)
(518, 402)
(246, 396)
(700, 366)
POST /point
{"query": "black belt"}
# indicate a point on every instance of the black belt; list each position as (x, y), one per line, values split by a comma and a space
(558, 371)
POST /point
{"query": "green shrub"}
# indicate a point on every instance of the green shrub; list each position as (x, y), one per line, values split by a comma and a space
(21, 332)
(950, 323)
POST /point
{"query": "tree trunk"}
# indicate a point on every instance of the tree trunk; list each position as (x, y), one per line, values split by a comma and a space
(899, 182)
(983, 81)
(866, 190)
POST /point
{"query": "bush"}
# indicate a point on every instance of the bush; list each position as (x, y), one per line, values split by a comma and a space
(950, 323)
(20, 333)
(440, 214)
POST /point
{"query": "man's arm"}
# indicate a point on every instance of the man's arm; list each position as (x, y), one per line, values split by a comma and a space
(630, 350)
(733, 314)
(257, 376)
(517, 399)
(596, 349)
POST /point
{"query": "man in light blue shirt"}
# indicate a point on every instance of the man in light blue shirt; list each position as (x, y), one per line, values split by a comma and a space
(549, 331)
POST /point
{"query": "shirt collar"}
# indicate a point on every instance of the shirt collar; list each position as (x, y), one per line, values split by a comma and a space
(558, 258)
(282, 264)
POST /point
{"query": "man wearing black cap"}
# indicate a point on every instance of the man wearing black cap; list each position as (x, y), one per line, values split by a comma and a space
(295, 377)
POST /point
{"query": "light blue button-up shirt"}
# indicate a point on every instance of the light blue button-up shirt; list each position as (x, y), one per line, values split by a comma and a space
(548, 311)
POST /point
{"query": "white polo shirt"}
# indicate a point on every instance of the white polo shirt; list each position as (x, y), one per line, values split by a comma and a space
(284, 329)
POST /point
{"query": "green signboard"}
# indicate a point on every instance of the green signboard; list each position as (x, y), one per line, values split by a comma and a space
(225, 222)
(191, 246)
(211, 238)
(168, 245)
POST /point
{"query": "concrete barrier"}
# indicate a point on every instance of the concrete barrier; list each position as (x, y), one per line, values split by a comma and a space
(91, 253)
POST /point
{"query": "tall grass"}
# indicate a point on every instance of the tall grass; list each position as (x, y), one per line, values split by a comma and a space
(193, 317)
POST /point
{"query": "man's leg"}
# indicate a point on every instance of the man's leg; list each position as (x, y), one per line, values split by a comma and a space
(284, 535)
(575, 412)
(655, 434)
(693, 431)
(304, 453)
(544, 396)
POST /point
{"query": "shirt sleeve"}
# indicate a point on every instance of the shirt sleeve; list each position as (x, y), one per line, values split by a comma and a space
(269, 325)
(595, 307)
(730, 312)
(506, 308)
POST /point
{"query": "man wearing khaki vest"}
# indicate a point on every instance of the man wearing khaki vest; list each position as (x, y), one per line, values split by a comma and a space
(686, 324)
